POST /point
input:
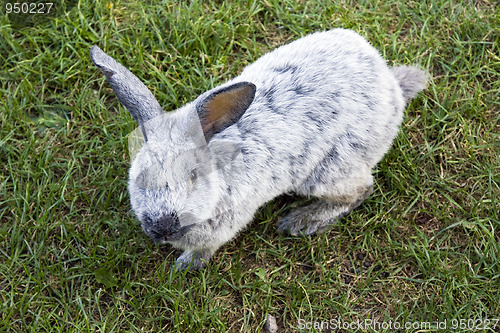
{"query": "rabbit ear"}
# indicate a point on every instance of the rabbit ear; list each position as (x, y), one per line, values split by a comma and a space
(223, 107)
(131, 92)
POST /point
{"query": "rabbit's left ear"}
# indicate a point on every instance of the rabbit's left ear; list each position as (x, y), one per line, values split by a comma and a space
(131, 92)
(224, 107)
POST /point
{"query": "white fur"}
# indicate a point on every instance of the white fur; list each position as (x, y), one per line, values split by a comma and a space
(326, 110)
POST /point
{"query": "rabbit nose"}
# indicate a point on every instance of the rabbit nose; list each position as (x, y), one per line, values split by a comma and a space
(163, 227)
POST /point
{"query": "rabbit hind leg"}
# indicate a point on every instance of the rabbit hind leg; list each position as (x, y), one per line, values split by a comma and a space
(334, 202)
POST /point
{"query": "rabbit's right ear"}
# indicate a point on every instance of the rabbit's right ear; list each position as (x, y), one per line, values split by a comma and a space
(224, 107)
(131, 92)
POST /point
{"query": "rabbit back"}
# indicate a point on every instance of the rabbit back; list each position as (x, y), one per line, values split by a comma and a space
(329, 96)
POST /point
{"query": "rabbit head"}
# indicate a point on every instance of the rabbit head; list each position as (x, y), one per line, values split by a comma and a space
(176, 180)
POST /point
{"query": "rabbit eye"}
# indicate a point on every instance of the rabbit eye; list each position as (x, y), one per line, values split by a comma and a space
(193, 175)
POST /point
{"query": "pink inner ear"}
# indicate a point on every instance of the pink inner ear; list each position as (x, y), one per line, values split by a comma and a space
(225, 103)
(222, 107)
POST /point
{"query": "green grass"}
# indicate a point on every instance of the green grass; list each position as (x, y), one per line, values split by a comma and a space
(423, 248)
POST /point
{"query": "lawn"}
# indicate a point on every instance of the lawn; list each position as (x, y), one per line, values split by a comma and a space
(424, 248)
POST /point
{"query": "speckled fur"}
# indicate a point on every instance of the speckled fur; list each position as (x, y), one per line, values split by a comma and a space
(326, 110)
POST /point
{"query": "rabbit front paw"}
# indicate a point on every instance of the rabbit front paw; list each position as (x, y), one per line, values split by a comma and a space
(191, 261)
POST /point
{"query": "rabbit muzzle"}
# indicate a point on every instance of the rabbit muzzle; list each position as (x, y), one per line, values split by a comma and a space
(164, 229)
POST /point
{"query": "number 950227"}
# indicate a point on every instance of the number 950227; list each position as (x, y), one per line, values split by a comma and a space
(28, 8)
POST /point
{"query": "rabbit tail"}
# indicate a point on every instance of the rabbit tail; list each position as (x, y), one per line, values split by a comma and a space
(411, 80)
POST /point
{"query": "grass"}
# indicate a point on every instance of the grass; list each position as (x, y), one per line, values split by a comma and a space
(423, 248)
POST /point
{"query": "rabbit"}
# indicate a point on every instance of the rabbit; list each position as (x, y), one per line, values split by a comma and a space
(312, 117)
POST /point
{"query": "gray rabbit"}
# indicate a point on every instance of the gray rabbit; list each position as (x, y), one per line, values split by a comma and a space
(312, 117)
